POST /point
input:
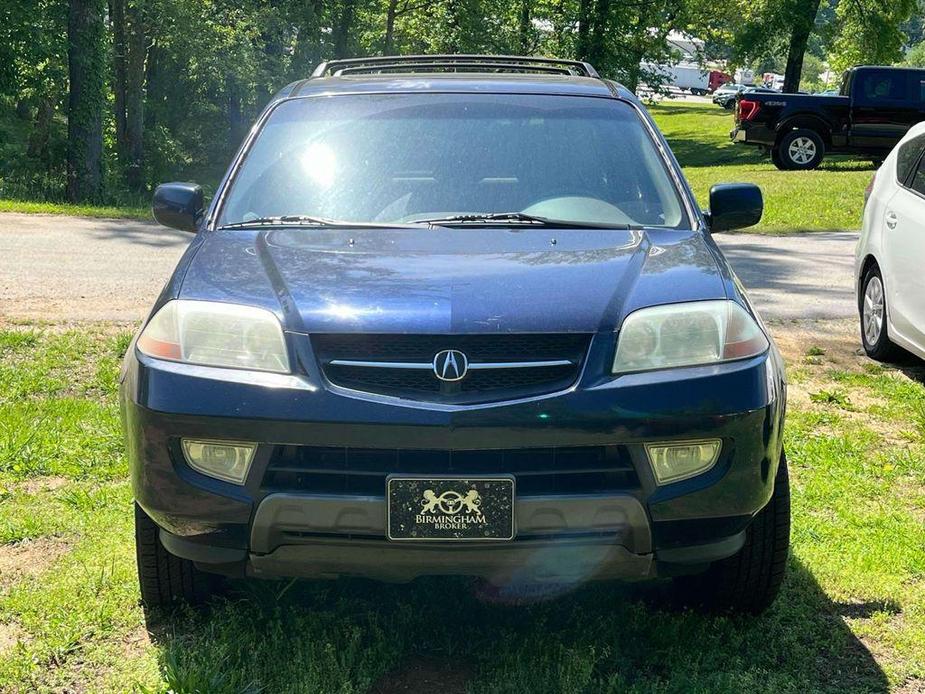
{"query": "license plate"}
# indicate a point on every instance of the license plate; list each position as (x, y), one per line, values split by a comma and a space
(450, 509)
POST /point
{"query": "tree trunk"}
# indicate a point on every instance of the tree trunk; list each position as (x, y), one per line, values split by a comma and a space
(596, 49)
(524, 27)
(390, 14)
(134, 96)
(584, 29)
(343, 27)
(86, 56)
(803, 22)
(23, 109)
(41, 131)
(308, 49)
(154, 91)
(117, 20)
(236, 124)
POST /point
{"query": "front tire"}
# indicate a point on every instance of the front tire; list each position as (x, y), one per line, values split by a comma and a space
(165, 579)
(873, 313)
(750, 579)
(800, 150)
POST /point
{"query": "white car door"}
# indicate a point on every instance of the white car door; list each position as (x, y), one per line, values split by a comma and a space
(904, 248)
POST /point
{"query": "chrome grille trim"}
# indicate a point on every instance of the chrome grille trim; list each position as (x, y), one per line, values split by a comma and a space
(499, 367)
(382, 364)
(472, 366)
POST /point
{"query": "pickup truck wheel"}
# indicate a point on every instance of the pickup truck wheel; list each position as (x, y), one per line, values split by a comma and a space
(872, 309)
(801, 149)
(163, 578)
(750, 579)
(776, 160)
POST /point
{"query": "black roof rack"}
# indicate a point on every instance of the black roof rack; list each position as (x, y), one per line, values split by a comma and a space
(454, 63)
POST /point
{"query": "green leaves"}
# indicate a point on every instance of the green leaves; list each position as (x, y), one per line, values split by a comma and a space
(869, 32)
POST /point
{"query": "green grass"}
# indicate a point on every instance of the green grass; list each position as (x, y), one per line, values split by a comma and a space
(851, 617)
(106, 211)
(831, 197)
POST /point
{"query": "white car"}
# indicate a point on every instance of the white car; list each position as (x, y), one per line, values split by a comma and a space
(890, 257)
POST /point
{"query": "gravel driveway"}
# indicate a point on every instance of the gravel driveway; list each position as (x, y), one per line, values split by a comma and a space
(56, 268)
(806, 275)
(72, 268)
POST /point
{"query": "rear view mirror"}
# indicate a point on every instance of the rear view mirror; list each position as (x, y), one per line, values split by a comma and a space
(179, 205)
(734, 206)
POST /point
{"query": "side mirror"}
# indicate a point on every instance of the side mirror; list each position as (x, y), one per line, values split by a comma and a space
(734, 206)
(179, 205)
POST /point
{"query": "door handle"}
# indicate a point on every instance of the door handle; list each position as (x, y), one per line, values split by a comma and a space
(891, 220)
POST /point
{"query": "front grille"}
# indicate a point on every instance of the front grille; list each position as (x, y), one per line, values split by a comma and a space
(363, 471)
(479, 384)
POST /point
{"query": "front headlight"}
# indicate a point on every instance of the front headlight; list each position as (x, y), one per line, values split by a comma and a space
(216, 334)
(690, 334)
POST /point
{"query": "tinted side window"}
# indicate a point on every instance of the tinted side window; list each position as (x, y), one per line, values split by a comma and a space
(908, 157)
(918, 183)
(882, 85)
(918, 86)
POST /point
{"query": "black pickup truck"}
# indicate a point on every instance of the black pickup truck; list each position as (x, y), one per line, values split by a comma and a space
(874, 109)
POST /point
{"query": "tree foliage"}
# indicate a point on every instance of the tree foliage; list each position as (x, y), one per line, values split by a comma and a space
(916, 56)
(869, 32)
(166, 89)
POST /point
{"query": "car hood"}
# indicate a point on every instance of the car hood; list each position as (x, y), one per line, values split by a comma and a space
(444, 280)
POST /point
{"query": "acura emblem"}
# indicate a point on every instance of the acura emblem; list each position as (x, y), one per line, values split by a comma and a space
(450, 365)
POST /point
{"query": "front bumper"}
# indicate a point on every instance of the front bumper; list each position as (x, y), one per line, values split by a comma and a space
(637, 530)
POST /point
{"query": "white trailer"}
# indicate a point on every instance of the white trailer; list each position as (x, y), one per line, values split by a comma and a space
(690, 77)
(684, 76)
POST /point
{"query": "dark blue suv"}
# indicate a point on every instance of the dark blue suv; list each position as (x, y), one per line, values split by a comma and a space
(457, 315)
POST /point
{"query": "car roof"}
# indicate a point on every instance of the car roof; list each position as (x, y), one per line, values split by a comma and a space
(896, 68)
(459, 82)
(914, 131)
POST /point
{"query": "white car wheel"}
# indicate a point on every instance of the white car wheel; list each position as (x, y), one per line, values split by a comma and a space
(872, 310)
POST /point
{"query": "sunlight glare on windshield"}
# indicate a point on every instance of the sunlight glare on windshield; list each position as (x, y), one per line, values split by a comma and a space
(320, 163)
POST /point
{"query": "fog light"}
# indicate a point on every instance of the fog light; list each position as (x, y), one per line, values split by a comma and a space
(225, 460)
(679, 460)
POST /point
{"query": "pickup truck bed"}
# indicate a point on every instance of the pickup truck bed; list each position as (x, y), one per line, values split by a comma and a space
(876, 108)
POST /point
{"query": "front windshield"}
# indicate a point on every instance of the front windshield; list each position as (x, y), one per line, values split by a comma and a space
(399, 158)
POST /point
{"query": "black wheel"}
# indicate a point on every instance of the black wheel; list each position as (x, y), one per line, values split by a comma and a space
(872, 310)
(729, 105)
(776, 160)
(750, 579)
(801, 149)
(165, 579)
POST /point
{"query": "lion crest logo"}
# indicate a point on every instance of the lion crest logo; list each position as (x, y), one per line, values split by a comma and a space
(451, 502)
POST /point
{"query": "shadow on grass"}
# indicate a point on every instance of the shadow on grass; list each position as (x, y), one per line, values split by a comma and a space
(911, 365)
(693, 152)
(437, 633)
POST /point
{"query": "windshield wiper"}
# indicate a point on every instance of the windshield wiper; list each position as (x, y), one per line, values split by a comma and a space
(308, 220)
(518, 218)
